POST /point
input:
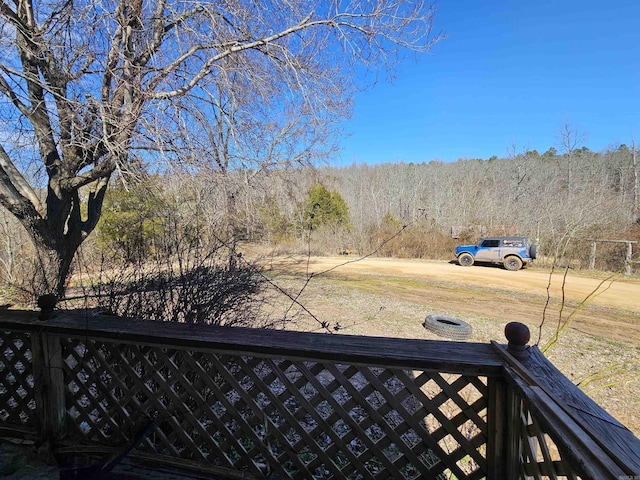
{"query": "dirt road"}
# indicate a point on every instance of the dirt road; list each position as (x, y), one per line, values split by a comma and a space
(611, 309)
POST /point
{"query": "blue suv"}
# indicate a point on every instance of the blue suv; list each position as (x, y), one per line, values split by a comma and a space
(512, 252)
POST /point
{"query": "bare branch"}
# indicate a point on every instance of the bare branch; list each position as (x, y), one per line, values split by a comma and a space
(8, 91)
(17, 188)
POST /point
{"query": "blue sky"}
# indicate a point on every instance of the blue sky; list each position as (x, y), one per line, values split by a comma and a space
(508, 73)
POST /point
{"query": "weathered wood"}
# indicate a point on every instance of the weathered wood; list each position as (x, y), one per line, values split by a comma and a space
(153, 466)
(497, 421)
(290, 403)
(608, 433)
(17, 410)
(616, 241)
(49, 385)
(278, 402)
(579, 450)
(441, 356)
(513, 445)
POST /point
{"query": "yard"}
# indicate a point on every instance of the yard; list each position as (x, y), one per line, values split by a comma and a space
(391, 297)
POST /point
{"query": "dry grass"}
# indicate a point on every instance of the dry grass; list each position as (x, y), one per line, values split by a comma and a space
(353, 305)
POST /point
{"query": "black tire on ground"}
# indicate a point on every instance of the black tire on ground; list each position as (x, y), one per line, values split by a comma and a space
(448, 327)
(512, 263)
(533, 251)
(465, 259)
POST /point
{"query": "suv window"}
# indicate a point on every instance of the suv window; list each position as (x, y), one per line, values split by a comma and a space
(513, 243)
(490, 243)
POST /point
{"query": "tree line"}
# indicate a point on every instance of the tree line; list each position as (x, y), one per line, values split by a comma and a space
(560, 199)
(408, 210)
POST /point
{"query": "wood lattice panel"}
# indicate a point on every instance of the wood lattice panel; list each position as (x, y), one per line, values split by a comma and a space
(540, 458)
(263, 416)
(17, 402)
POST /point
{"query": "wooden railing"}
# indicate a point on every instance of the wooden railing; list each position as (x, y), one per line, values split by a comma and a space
(242, 403)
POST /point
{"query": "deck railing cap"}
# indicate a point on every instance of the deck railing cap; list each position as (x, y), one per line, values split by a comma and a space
(518, 336)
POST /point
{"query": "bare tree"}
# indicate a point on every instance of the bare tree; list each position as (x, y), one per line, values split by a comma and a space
(246, 130)
(88, 83)
(634, 172)
(569, 140)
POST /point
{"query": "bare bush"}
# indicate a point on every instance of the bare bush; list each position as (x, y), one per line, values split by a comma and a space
(416, 241)
(213, 294)
(205, 290)
(181, 279)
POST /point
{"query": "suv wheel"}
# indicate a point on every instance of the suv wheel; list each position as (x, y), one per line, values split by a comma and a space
(512, 263)
(465, 259)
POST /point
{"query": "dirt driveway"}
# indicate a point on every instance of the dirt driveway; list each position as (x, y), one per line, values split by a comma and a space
(611, 309)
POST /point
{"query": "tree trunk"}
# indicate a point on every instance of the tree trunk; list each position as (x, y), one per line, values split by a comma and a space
(52, 266)
(634, 159)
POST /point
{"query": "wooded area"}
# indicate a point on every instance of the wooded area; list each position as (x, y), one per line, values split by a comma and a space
(394, 209)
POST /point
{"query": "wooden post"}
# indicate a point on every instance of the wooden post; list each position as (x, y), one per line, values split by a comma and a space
(513, 441)
(627, 259)
(497, 425)
(48, 385)
(592, 256)
(518, 336)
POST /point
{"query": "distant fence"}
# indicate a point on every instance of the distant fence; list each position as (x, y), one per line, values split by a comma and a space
(628, 255)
